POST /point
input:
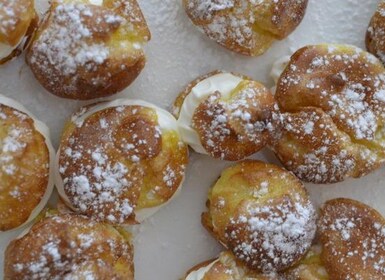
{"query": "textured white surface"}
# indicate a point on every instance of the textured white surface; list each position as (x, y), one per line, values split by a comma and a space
(173, 240)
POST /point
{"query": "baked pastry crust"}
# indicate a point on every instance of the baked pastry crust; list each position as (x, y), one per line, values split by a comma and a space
(263, 214)
(70, 247)
(26, 156)
(18, 20)
(226, 267)
(375, 35)
(231, 127)
(85, 51)
(118, 158)
(353, 241)
(332, 99)
(246, 27)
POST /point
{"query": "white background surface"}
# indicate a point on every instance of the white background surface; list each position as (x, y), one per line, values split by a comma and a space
(173, 240)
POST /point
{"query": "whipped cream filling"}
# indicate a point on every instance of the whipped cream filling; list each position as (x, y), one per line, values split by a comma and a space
(44, 131)
(225, 83)
(6, 50)
(278, 67)
(166, 122)
(200, 273)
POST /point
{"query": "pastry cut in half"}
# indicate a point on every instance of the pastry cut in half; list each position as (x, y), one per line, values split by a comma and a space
(86, 49)
(120, 161)
(226, 267)
(18, 20)
(375, 35)
(244, 26)
(226, 116)
(262, 214)
(352, 235)
(26, 165)
(70, 247)
(332, 104)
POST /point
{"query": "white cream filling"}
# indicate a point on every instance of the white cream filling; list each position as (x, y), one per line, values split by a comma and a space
(225, 83)
(44, 131)
(166, 123)
(200, 273)
(278, 67)
(6, 50)
(96, 2)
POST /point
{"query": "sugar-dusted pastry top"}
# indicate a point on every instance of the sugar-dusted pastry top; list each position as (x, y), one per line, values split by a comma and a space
(16, 18)
(119, 158)
(375, 35)
(332, 99)
(70, 247)
(84, 49)
(25, 158)
(246, 27)
(226, 115)
(353, 239)
(263, 214)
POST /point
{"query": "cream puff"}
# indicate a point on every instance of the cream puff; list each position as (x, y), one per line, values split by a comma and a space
(375, 35)
(120, 161)
(262, 214)
(26, 161)
(352, 235)
(226, 115)
(225, 267)
(332, 103)
(18, 20)
(87, 49)
(70, 247)
(246, 27)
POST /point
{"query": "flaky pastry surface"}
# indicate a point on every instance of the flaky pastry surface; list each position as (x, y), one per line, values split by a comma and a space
(332, 99)
(244, 26)
(375, 35)
(70, 247)
(86, 51)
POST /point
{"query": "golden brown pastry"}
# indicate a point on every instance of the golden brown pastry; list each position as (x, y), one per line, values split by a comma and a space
(309, 268)
(244, 26)
(26, 158)
(87, 49)
(226, 115)
(263, 214)
(18, 20)
(70, 247)
(353, 239)
(375, 35)
(332, 99)
(226, 267)
(120, 161)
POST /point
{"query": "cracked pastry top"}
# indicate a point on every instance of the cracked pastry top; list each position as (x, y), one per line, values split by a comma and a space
(244, 26)
(332, 104)
(262, 214)
(120, 161)
(226, 115)
(70, 247)
(89, 49)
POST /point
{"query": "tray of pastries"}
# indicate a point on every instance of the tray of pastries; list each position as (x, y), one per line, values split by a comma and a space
(192, 139)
